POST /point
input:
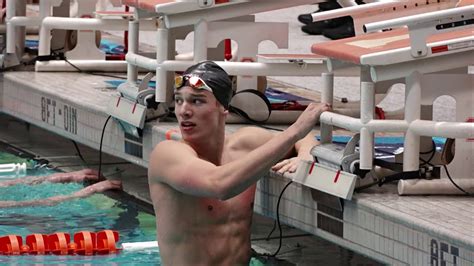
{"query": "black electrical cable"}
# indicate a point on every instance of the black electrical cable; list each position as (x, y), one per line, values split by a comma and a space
(433, 152)
(92, 73)
(278, 221)
(456, 185)
(428, 162)
(403, 175)
(5, 69)
(79, 152)
(100, 145)
(287, 236)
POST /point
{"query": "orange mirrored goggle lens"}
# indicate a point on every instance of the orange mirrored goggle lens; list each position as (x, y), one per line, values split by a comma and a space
(193, 81)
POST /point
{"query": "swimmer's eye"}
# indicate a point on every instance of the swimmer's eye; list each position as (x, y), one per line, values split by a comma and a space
(178, 101)
(198, 101)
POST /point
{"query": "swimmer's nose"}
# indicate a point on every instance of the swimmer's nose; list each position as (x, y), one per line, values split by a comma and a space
(185, 110)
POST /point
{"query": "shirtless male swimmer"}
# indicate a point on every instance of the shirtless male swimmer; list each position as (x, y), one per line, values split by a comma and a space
(203, 187)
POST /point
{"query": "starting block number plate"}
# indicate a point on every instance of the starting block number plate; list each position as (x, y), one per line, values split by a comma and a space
(326, 179)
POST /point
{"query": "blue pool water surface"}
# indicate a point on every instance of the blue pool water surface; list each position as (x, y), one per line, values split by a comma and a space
(95, 213)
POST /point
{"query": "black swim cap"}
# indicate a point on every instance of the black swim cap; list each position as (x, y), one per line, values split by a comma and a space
(216, 78)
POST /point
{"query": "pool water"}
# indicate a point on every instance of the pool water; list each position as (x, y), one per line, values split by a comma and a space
(99, 212)
(94, 213)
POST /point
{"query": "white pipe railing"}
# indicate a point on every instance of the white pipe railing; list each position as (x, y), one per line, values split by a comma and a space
(233, 68)
(133, 43)
(443, 129)
(162, 50)
(353, 10)
(51, 23)
(84, 65)
(17, 22)
(355, 124)
(419, 127)
(435, 17)
(441, 186)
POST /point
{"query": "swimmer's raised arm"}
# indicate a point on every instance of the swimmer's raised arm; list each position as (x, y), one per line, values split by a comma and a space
(179, 166)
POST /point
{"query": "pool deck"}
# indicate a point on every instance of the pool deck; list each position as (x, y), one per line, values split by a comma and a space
(377, 223)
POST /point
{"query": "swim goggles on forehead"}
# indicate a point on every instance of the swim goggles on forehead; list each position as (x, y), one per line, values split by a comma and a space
(194, 82)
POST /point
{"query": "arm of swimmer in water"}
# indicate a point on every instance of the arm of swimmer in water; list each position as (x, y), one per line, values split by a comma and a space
(85, 192)
(178, 165)
(76, 176)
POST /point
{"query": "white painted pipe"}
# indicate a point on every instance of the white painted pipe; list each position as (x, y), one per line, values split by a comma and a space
(441, 186)
(342, 121)
(233, 68)
(349, 11)
(25, 21)
(367, 107)
(133, 42)
(14, 8)
(140, 60)
(327, 96)
(435, 17)
(139, 245)
(387, 126)
(30, 30)
(412, 112)
(354, 124)
(366, 149)
(51, 23)
(84, 65)
(443, 129)
(200, 40)
(11, 32)
(11, 9)
(163, 38)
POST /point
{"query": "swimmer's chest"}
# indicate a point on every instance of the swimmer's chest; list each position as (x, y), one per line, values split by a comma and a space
(237, 207)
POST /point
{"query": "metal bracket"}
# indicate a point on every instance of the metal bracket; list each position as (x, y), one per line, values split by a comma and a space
(130, 107)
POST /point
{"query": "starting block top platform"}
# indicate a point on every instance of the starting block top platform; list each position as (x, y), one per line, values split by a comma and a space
(374, 48)
(183, 13)
(170, 6)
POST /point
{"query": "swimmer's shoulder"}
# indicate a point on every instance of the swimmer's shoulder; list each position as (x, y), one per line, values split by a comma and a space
(171, 147)
(166, 155)
(250, 137)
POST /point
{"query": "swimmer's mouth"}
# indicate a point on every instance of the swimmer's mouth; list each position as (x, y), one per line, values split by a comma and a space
(186, 125)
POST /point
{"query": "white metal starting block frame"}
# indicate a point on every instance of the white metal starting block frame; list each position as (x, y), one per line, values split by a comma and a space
(209, 32)
(92, 16)
(17, 23)
(431, 66)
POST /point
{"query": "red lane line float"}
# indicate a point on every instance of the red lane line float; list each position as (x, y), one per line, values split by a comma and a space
(85, 243)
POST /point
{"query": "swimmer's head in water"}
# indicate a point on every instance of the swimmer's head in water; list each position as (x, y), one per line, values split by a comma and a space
(208, 76)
